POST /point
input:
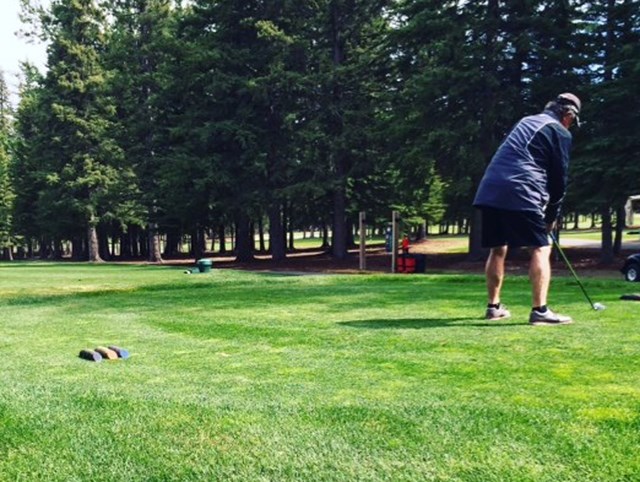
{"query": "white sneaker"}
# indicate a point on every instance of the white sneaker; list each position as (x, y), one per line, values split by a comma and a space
(548, 318)
(499, 313)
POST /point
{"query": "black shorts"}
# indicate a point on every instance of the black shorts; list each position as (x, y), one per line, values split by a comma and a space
(501, 227)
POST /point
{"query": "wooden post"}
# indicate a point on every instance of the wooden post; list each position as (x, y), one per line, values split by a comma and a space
(363, 235)
(394, 241)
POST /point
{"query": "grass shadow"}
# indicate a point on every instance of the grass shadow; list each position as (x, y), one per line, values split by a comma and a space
(423, 323)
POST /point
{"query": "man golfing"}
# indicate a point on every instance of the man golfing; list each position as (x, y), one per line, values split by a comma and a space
(520, 196)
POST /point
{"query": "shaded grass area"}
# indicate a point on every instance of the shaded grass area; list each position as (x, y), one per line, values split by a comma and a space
(242, 376)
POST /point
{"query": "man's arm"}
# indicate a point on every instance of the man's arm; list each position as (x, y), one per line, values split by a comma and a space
(557, 171)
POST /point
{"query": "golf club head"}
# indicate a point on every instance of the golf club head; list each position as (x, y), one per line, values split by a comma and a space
(599, 307)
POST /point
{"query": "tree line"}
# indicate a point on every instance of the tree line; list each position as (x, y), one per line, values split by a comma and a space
(160, 119)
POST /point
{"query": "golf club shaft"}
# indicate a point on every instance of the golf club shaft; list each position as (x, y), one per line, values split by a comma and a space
(575, 276)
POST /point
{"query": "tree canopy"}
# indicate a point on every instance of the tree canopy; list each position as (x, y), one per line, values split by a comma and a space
(161, 120)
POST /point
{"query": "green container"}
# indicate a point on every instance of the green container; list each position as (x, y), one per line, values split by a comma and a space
(204, 265)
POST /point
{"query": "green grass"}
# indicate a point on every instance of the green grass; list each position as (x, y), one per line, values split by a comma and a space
(590, 235)
(264, 377)
(311, 243)
(596, 235)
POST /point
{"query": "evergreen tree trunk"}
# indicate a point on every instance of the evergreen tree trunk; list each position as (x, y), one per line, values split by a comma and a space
(292, 244)
(243, 239)
(212, 238)
(125, 245)
(606, 254)
(325, 236)
(198, 244)
(422, 232)
(173, 242)
(222, 237)
(78, 252)
(261, 235)
(285, 220)
(153, 240)
(276, 239)
(103, 243)
(43, 248)
(617, 242)
(351, 239)
(339, 233)
(57, 250)
(92, 244)
(143, 245)
(133, 241)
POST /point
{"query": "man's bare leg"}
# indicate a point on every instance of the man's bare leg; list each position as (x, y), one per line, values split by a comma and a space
(494, 271)
(540, 275)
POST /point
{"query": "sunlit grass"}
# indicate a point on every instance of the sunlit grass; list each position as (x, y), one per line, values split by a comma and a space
(242, 376)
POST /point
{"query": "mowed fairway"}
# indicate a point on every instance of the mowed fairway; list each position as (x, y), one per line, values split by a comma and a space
(237, 376)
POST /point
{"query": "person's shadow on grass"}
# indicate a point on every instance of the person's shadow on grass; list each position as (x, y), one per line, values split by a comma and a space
(422, 323)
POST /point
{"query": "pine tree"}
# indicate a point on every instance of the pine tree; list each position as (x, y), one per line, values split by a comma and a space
(137, 53)
(6, 188)
(345, 41)
(27, 169)
(467, 72)
(607, 162)
(456, 98)
(214, 173)
(235, 119)
(86, 174)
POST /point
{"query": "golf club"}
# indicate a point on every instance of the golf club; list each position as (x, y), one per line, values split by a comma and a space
(595, 306)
